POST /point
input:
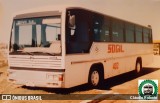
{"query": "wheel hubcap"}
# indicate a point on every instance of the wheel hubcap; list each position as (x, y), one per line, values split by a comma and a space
(95, 78)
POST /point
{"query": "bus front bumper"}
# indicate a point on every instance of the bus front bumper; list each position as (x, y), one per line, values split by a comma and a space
(37, 79)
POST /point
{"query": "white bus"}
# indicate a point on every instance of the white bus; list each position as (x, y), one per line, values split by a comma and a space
(74, 46)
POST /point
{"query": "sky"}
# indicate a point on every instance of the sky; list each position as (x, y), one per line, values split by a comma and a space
(144, 12)
(1, 13)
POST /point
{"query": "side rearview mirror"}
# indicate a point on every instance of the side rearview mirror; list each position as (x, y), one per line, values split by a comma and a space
(72, 21)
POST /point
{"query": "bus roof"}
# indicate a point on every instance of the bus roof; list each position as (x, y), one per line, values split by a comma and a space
(39, 11)
(149, 26)
(36, 12)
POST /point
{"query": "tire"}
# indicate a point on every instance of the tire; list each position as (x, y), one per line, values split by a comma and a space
(95, 78)
(138, 67)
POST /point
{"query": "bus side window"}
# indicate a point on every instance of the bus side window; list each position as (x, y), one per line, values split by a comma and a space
(150, 36)
(138, 31)
(129, 31)
(98, 21)
(72, 24)
(106, 29)
(117, 30)
(146, 35)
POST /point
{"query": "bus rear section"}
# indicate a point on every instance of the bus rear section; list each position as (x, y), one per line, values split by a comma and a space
(35, 56)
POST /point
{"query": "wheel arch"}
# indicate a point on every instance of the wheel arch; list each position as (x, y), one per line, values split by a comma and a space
(138, 69)
(99, 66)
(139, 59)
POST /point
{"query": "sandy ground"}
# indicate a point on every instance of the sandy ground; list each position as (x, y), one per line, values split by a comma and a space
(3, 60)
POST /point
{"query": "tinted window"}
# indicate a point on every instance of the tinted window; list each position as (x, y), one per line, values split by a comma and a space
(106, 30)
(150, 36)
(129, 31)
(98, 21)
(117, 31)
(138, 34)
(146, 35)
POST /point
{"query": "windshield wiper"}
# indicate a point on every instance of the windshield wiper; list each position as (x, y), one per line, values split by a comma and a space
(43, 53)
(22, 51)
(49, 53)
(28, 53)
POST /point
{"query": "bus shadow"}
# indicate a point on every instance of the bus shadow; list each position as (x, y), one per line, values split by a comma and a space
(120, 79)
(63, 91)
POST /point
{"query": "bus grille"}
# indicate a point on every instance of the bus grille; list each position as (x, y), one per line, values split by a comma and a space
(48, 62)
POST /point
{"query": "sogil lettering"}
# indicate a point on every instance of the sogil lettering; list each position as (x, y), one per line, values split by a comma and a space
(115, 48)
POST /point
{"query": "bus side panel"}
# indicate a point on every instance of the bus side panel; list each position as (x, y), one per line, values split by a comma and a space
(78, 65)
(133, 51)
(114, 63)
(76, 72)
(147, 60)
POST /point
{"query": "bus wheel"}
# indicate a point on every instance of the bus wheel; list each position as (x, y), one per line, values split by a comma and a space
(95, 78)
(138, 67)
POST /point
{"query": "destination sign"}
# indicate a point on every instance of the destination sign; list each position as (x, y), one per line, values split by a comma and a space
(25, 22)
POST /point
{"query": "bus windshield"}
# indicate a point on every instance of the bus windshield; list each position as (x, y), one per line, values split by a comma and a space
(36, 35)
